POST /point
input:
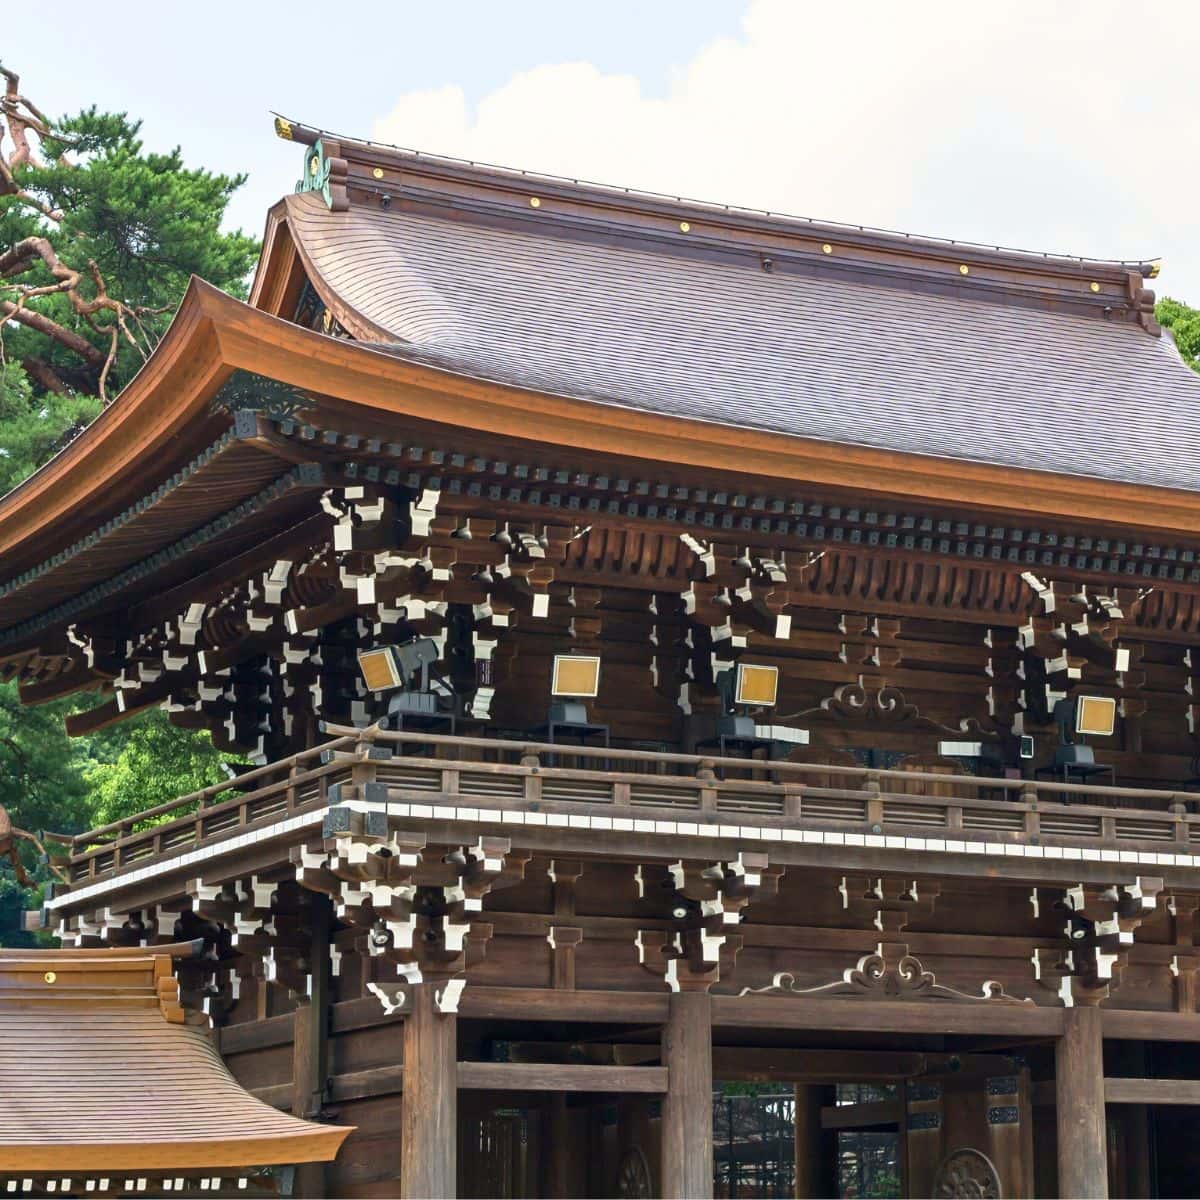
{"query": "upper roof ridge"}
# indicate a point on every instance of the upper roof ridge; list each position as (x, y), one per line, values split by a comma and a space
(365, 150)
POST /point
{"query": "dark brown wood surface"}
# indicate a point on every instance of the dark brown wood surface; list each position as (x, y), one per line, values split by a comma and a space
(687, 1138)
(430, 1122)
(1079, 1099)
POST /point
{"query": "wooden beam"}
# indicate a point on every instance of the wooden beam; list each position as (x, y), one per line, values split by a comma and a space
(687, 1127)
(490, 1077)
(77, 679)
(561, 1077)
(361, 1085)
(537, 1004)
(871, 1114)
(429, 1125)
(1141, 1026)
(888, 1016)
(1152, 1091)
(1079, 1100)
(93, 720)
(756, 1064)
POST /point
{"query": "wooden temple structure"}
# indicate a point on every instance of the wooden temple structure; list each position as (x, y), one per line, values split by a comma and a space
(662, 645)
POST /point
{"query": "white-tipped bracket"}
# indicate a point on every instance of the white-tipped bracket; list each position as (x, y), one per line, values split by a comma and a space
(391, 1004)
(447, 998)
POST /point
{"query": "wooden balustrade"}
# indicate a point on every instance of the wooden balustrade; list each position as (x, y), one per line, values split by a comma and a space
(493, 774)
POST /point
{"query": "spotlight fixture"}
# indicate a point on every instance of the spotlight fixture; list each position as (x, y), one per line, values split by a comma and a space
(756, 687)
(1082, 716)
(402, 669)
(1095, 715)
(576, 677)
(746, 689)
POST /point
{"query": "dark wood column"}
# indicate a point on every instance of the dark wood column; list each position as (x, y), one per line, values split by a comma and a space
(310, 1044)
(1079, 1096)
(559, 1149)
(429, 1127)
(687, 1132)
(810, 1178)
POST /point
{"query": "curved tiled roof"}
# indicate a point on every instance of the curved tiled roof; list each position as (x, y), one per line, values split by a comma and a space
(950, 371)
(100, 1074)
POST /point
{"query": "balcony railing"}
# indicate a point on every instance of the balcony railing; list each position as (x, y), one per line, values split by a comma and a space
(435, 774)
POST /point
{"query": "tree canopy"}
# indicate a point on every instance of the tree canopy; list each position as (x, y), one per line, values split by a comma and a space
(1184, 323)
(98, 238)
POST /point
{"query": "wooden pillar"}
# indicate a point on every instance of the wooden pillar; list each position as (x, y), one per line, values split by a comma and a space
(687, 1130)
(559, 1150)
(429, 1126)
(1079, 1097)
(809, 1142)
(310, 1043)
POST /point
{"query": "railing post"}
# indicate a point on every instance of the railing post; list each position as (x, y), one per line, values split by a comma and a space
(533, 781)
(792, 793)
(706, 773)
(1182, 831)
(293, 772)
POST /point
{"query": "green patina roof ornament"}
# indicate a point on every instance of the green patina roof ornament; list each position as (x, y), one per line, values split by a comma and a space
(325, 174)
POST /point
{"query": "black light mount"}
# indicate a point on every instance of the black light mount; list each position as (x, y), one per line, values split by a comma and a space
(405, 670)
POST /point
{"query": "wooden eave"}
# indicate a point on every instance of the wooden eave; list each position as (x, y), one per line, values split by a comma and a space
(102, 1074)
(386, 386)
(164, 416)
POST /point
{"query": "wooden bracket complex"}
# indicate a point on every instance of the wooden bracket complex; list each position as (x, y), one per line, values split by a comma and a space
(1099, 928)
(414, 907)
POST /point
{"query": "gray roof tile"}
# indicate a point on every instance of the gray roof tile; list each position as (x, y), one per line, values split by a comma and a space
(848, 362)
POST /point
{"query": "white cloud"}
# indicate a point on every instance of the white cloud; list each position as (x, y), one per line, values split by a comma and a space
(1051, 126)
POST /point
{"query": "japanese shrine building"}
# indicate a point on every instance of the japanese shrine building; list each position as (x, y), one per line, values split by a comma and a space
(671, 644)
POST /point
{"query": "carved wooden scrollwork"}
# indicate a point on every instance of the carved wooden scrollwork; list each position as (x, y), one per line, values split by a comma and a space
(884, 706)
(966, 1173)
(633, 1175)
(891, 973)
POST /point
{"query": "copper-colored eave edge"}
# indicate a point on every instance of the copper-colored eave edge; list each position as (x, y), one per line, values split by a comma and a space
(214, 334)
(156, 406)
(321, 1144)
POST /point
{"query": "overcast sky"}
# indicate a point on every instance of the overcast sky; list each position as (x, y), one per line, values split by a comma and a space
(1070, 127)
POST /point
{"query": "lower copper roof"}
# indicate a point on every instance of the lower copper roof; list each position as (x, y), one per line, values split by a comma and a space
(101, 1073)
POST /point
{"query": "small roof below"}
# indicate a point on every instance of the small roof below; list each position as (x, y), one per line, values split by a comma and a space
(907, 345)
(102, 1075)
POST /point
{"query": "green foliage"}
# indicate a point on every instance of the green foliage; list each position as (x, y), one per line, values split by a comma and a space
(883, 1184)
(34, 428)
(42, 771)
(42, 787)
(146, 221)
(153, 762)
(1184, 323)
(49, 781)
(138, 224)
